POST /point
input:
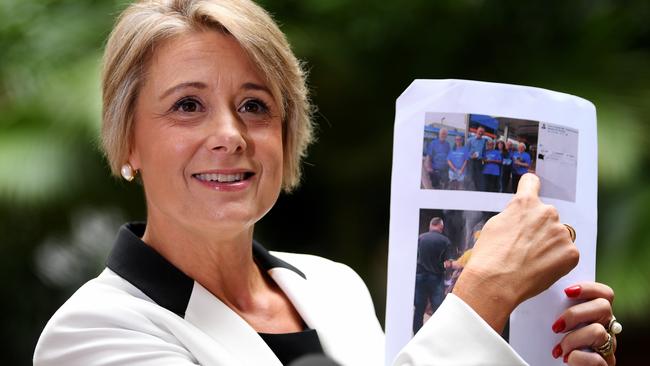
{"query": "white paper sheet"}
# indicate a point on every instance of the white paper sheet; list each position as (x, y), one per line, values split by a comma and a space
(560, 129)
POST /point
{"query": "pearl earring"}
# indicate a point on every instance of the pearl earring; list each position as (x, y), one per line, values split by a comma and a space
(127, 172)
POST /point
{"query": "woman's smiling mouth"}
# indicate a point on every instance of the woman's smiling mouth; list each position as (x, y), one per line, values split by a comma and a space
(225, 181)
(222, 178)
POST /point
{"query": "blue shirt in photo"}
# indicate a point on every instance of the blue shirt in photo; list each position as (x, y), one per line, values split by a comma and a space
(507, 158)
(523, 157)
(492, 168)
(458, 157)
(476, 147)
(438, 151)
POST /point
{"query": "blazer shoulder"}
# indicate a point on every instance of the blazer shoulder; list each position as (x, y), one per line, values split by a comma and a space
(105, 301)
(107, 314)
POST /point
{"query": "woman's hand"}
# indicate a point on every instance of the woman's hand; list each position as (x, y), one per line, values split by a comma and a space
(521, 252)
(585, 325)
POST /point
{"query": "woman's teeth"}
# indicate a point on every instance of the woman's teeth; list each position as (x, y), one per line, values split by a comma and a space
(221, 178)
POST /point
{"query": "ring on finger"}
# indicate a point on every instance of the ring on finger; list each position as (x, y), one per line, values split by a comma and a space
(607, 348)
(572, 232)
(614, 327)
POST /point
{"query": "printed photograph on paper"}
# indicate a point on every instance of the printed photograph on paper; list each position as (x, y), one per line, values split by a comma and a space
(456, 159)
(475, 152)
(445, 242)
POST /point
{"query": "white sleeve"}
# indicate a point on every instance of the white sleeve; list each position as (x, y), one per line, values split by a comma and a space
(454, 335)
(457, 335)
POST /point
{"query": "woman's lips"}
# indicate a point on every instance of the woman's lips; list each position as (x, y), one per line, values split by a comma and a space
(225, 181)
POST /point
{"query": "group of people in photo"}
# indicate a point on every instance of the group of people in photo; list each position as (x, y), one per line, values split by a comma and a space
(480, 164)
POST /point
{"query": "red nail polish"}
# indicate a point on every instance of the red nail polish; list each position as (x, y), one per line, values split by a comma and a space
(566, 359)
(573, 291)
(559, 325)
(557, 351)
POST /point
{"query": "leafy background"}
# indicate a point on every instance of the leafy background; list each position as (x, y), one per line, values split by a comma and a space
(59, 209)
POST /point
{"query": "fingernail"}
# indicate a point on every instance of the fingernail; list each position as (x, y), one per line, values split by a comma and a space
(559, 325)
(566, 358)
(557, 351)
(573, 291)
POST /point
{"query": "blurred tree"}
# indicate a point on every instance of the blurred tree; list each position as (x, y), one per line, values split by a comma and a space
(361, 55)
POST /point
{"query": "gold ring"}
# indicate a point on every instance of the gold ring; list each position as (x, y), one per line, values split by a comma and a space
(572, 232)
(614, 327)
(607, 348)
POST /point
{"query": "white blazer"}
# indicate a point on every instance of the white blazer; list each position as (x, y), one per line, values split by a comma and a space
(143, 311)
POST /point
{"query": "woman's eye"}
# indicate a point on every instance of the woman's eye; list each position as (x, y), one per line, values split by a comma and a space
(254, 106)
(188, 105)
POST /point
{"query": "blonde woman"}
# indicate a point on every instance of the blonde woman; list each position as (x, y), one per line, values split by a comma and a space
(206, 106)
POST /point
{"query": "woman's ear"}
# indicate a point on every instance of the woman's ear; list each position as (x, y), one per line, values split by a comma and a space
(134, 159)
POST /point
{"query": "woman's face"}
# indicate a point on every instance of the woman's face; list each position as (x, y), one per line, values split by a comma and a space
(207, 136)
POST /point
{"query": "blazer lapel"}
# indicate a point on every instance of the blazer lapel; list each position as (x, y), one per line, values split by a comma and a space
(214, 318)
(305, 298)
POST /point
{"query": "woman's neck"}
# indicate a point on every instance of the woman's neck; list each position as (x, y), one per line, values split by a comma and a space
(222, 262)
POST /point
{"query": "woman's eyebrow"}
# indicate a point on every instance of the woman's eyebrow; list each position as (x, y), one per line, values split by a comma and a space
(254, 86)
(189, 84)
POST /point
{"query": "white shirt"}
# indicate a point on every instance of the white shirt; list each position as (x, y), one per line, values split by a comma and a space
(143, 311)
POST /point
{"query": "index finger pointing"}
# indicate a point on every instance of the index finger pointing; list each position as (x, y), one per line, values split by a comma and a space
(528, 185)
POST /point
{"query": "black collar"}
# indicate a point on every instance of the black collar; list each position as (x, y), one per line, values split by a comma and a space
(165, 284)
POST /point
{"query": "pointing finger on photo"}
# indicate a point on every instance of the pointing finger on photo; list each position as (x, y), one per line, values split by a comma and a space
(529, 185)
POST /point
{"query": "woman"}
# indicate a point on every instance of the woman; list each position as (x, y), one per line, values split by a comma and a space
(205, 103)
(506, 166)
(491, 167)
(457, 160)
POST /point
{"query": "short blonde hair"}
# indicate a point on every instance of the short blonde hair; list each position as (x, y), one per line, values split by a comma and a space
(146, 24)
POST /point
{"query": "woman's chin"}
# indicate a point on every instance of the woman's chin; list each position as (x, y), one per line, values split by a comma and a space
(227, 218)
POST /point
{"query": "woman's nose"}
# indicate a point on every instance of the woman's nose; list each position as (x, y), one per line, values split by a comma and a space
(227, 133)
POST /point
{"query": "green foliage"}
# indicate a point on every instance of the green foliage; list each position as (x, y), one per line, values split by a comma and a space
(361, 56)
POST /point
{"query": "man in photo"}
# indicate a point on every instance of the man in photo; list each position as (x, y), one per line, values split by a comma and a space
(436, 160)
(476, 150)
(433, 259)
